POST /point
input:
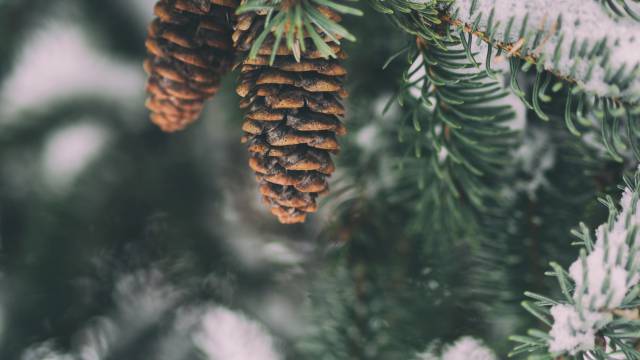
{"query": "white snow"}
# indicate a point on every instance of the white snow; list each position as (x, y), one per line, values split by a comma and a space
(581, 21)
(418, 70)
(44, 351)
(443, 154)
(69, 150)
(228, 335)
(141, 299)
(217, 333)
(145, 297)
(536, 155)
(602, 279)
(519, 121)
(570, 332)
(367, 137)
(59, 61)
(465, 348)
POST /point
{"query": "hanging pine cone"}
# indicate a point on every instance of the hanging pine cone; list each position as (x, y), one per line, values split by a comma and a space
(292, 119)
(189, 49)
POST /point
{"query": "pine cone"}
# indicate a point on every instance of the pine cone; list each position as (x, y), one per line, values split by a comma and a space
(189, 49)
(292, 118)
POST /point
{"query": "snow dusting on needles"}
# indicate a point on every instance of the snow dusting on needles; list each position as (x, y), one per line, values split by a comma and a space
(602, 279)
(563, 22)
(142, 299)
(536, 155)
(227, 335)
(465, 348)
(69, 150)
(418, 72)
(59, 61)
(468, 348)
(44, 351)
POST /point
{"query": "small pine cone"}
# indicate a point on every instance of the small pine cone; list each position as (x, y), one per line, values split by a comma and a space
(292, 119)
(189, 49)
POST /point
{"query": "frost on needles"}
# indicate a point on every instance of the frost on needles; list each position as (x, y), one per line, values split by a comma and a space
(576, 39)
(465, 348)
(604, 274)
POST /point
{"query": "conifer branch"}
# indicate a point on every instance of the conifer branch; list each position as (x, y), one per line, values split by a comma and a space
(622, 8)
(597, 72)
(296, 24)
(597, 317)
(455, 131)
(595, 52)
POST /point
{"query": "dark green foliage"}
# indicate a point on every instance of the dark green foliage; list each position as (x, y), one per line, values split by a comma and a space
(368, 292)
(425, 243)
(522, 222)
(456, 137)
(623, 8)
(614, 118)
(305, 18)
(622, 332)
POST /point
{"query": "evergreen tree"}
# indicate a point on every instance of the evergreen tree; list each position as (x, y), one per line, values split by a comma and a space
(467, 142)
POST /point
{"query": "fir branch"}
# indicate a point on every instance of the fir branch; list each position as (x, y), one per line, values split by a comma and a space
(597, 317)
(623, 8)
(591, 57)
(382, 284)
(415, 18)
(595, 52)
(466, 347)
(291, 21)
(455, 134)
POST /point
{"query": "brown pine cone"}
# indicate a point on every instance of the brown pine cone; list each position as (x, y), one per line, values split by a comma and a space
(189, 49)
(292, 119)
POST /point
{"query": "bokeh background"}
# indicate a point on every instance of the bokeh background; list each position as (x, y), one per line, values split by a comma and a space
(116, 238)
(93, 196)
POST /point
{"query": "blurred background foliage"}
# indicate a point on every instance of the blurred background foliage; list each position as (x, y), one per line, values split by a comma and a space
(92, 194)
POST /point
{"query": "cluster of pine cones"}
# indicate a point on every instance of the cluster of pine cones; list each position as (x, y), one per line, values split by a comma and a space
(293, 106)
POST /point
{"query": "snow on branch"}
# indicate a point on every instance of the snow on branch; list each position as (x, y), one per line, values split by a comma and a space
(601, 285)
(229, 335)
(148, 302)
(620, 8)
(465, 348)
(576, 39)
